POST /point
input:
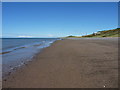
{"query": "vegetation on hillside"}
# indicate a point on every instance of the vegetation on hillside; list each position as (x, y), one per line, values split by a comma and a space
(105, 33)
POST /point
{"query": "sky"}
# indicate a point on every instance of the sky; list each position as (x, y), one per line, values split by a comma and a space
(57, 19)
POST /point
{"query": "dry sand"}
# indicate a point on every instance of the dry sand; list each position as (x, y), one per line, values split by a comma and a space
(83, 63)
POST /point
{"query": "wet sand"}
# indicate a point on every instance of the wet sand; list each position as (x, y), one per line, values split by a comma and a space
(69, 63)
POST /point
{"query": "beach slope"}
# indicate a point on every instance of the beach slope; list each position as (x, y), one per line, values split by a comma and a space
(70, 63)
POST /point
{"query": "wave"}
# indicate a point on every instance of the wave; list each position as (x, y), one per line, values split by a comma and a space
(5, 52)
(42, 44)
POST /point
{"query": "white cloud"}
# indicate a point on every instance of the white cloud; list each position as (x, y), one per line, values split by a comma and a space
(25, 36)
(50, 35)
(28, 36)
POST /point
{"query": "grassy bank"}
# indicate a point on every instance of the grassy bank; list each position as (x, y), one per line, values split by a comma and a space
(105, 33)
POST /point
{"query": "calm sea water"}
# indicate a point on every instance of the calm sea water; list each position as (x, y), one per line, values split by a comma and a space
(18, 51)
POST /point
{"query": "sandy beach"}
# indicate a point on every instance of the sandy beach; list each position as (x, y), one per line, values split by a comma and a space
(70, 63)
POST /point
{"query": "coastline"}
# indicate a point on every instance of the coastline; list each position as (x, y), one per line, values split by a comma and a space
(69, 63)
(21, 52)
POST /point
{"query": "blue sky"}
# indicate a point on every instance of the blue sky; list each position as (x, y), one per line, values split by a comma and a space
(55, 19)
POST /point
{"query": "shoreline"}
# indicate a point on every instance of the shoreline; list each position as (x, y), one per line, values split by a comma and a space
(57, 66)
(23, 63)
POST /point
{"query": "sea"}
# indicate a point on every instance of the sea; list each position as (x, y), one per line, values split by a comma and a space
(16, 52)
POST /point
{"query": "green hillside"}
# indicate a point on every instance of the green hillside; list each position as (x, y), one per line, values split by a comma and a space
(106, 33)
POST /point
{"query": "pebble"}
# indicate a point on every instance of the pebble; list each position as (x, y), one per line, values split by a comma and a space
(104, 86)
